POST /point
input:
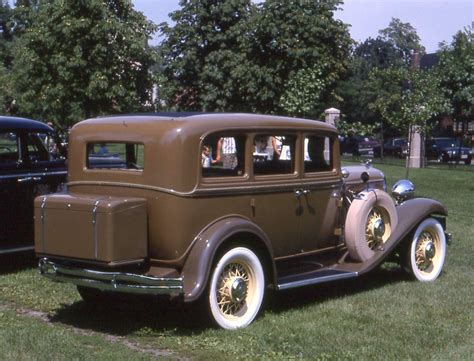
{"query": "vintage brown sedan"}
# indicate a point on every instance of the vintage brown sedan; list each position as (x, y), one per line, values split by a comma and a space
(218, 207)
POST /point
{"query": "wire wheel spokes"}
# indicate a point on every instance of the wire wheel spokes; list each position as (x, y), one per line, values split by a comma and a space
(377, 228)
(425, 253)
(232, 289)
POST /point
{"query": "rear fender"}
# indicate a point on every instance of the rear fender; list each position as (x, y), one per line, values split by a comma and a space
(198, 264)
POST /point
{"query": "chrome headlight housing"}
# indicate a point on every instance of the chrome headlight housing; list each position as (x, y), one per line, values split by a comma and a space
(403, 190)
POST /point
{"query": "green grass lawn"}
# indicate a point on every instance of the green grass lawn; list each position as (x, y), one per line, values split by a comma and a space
(383, 315)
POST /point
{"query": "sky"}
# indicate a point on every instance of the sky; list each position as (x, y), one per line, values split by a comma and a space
(434, 20)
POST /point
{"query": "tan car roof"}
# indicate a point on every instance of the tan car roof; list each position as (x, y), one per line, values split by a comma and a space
(171, 141)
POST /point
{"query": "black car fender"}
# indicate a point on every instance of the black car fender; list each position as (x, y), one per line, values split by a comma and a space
(197, 266)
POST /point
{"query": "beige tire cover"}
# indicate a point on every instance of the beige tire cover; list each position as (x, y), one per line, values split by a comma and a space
(358, 222)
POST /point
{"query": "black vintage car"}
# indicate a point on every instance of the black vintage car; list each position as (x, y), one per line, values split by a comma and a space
(31, 164)
(396, 147)
(447, 149)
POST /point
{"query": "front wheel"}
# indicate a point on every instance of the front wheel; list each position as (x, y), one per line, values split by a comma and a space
(236, 288)
(427, 251)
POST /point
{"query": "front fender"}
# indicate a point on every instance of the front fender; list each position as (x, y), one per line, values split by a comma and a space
(198, 264)
(410, 214)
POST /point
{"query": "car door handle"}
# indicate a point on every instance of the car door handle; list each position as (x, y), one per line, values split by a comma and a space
(28, 179)
(24, 180)
(302, 192)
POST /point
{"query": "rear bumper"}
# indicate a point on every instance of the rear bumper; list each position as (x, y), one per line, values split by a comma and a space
(110, 281)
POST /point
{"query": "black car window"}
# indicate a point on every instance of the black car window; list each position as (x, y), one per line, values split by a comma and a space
(317, 154)
(8, 147)
(274, 154)
(113, 155)
(36, 147)
(223, 155)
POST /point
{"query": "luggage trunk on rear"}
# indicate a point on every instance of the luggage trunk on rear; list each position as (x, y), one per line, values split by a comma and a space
(91, 227)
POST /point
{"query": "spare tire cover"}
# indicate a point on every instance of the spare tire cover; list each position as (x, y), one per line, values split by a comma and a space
(370, 221)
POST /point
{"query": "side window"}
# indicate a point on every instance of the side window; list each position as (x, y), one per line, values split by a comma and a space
(317, 154)
(223, 155)
(36, 146)
(111, 155)
(274, 154)
(8, 147)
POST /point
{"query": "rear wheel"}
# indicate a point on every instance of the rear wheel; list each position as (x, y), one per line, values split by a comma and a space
(427, 251)
(236, 288)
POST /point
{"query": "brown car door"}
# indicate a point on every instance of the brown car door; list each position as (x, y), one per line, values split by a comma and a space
(319, 195)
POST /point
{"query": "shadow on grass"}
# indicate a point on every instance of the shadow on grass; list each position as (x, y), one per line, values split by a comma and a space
(14, 262)
(325, 292)
(134, 313)
(130, 313)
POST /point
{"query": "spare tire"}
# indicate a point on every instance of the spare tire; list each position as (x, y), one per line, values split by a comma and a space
(370, 221)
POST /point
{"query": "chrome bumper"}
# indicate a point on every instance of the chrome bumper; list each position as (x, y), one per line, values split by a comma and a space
(110, 281)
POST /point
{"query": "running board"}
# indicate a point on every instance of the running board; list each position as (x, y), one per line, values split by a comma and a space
(312, 278)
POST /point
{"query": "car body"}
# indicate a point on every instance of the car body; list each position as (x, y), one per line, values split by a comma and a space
(396, 147)
(217, 207)
(359, 145)
(447, 150)
(27, 169)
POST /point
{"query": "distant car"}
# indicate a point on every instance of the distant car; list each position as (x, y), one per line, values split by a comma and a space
(30, 165)
(447, 150)
(359, 145)
(396, 147)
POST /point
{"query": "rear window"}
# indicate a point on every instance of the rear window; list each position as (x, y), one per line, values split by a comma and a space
(112, 155)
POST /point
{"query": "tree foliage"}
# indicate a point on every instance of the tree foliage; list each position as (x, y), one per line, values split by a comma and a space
(77, 59)
(456, 72)
(234, 55)
(403, 37)
(407, 97)
(204, 55)
(392, 49)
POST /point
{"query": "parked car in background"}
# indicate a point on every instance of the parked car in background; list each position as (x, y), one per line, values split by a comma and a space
(30, 165)
(218, 207)
(396, 147)
(359, 145)
(447, 150)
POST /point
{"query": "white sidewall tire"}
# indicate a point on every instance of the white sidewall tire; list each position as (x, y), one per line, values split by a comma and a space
(434, 226)
(356, 222)
(254, 296)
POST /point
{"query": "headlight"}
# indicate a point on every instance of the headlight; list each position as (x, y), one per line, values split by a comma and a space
(403, 190)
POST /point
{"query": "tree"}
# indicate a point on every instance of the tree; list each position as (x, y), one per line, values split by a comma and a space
(79, 59)
(456, 71)
(233, 55)
(203, 55)
(393, 48)
(404, 38)
(6, 35)
(406, 98)
(371, 54)
(299, 50)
